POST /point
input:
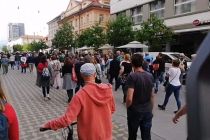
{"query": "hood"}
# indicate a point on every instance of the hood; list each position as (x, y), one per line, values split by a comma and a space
(99, 93)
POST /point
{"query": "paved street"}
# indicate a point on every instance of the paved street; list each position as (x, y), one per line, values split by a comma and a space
(33, 111)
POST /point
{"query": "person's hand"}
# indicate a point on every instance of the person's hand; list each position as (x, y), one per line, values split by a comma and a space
(175, 119)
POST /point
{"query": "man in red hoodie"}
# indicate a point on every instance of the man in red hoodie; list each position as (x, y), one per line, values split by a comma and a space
(92, 107)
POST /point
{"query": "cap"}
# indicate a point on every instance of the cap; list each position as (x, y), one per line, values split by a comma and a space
(87, 69)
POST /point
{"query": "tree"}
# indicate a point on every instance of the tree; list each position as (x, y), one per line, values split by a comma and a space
(4, 49)
(64, 37)
(36, 46)
(120, 32)
(93, 36)
(17, 48)
(155, 33)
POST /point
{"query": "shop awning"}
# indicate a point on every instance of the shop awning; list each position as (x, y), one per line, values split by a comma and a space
(193, 29)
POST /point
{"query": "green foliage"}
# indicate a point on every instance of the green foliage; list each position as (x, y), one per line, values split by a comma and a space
(36, 46)
(64, 37)
(4, 49)
(93, 37)
(120, 32)
(17, 48)
(155, 33)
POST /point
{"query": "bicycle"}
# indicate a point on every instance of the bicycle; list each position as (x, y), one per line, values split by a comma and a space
(70, 131)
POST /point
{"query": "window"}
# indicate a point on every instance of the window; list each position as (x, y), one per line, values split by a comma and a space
(87, 18)
(76, 23)
(157, 8)
(123, 13)
(137, 16)
(184, 6)
(81, 21)
(101, 18)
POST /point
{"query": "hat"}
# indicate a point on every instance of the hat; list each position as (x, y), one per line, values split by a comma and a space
(87, 69)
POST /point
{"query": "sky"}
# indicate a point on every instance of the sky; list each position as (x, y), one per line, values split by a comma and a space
(33, 13)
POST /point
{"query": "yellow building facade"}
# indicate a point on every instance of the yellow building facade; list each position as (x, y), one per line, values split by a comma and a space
(85, 14)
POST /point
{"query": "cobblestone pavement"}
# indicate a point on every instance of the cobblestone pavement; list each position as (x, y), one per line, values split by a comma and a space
(33, 111)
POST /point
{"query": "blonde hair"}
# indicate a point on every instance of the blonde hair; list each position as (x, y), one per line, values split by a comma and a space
(127, 57)
(2, 99)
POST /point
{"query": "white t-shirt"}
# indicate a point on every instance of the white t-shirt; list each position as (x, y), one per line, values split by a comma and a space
(174, 74)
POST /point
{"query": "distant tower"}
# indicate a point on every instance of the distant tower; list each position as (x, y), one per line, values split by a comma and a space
(16, 30)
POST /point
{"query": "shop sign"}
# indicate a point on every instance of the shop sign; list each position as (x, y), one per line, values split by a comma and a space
(199, 23)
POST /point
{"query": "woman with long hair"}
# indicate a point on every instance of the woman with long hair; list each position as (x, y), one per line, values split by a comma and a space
(8, 113)
(174, 85)
(45, 72)
(125, 70)
(68, 84)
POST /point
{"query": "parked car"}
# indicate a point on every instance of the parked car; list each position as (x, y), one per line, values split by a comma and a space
(169, 56)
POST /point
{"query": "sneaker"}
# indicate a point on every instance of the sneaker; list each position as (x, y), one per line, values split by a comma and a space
(161, 107)
(57, 87)
(48, 97)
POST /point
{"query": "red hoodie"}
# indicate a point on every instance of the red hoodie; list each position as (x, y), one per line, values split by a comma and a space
(13, 122)
(92, 106)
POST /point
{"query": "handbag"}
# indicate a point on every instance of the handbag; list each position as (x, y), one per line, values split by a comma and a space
(74, 76)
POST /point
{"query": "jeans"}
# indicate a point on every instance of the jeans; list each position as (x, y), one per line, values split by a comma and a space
(169, 91)
(136, 120)
(156, 85)
(5, 68)
(31, 67)
(17, 63)
(116, 81)
(23, 70)
(12, 63)
(44, 90)
(79, 84)
(161, 77)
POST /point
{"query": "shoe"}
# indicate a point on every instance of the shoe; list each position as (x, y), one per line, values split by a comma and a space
(161, 107)
(57, 87)
(45, 98)
(48, 97)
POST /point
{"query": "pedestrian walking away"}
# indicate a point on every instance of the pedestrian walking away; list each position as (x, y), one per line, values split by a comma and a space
(45, 71)
(68, 84)
(92, 99)
(5, 64)
(140, 100)
(125, 70)
(173, 86)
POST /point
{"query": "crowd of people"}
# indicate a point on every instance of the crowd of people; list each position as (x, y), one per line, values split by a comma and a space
(82, 76)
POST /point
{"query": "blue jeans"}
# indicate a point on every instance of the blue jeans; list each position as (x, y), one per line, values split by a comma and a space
(136, 120)
(156, 85)
(172, 89)
(161, 77)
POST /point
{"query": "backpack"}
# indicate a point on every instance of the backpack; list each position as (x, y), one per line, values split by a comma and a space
(45, 72)
(155, 67)
(4, 126)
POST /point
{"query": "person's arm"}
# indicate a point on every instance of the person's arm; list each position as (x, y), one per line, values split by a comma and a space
(71, 114)
(180, 113)
(129, 98)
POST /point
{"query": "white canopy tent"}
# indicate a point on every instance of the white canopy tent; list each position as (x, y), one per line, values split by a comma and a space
(85, 48)
(106, 46)
(134, 45)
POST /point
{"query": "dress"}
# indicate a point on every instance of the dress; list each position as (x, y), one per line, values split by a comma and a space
(67, 75)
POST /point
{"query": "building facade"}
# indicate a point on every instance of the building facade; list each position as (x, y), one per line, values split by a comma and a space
(86, 13)
(26, 39)
(52, 29)
(189, 19)
(15, 30)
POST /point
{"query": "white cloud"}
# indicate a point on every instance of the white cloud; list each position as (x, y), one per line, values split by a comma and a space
(34, 13)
